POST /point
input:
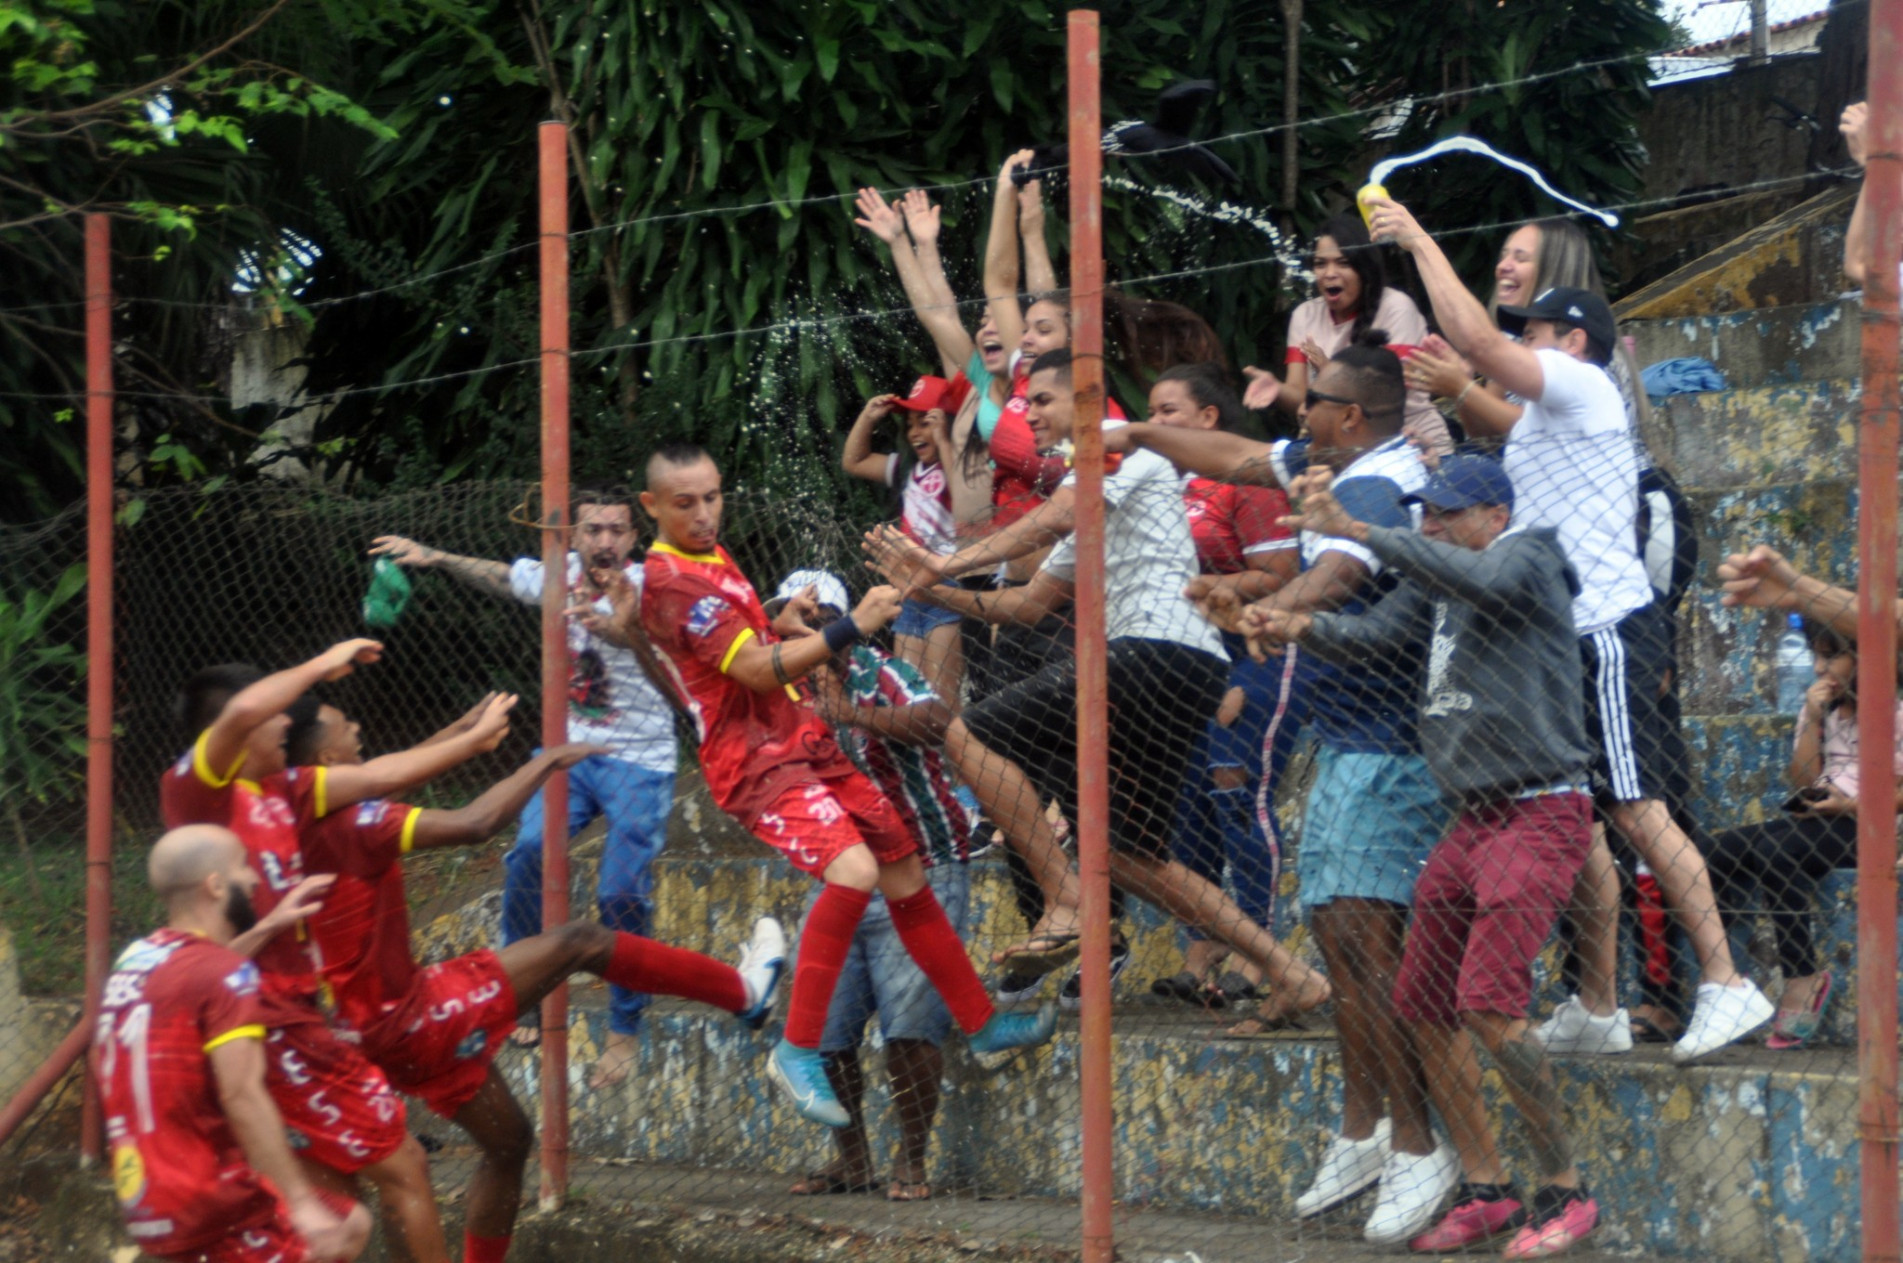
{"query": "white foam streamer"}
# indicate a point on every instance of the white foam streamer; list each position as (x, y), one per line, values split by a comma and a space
(1467, 144)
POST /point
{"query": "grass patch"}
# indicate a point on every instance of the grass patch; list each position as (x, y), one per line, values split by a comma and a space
(43, 904)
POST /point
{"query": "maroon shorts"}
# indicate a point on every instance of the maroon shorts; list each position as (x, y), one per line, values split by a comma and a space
(273, 1241)
(1485, 903)
(813, 823)
(338, 1107)
(438, 1041)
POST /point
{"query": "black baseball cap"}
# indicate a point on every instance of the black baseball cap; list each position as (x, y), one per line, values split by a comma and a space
(1579, 307)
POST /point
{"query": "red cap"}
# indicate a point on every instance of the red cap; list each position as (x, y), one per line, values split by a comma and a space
(935, 392)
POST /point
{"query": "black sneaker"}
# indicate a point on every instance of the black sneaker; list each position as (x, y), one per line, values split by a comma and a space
(1010, 987)
(1071, 996)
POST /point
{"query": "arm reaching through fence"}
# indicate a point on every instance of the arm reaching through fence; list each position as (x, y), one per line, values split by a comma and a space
(491, 577)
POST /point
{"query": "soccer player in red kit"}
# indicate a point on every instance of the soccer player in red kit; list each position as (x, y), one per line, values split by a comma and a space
(343, 1117)
(774, 766)
(435, 1032)
(200, 1163)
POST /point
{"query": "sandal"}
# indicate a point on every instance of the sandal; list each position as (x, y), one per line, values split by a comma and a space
(1233, 987)
(527, 1034)
(1792, 1028)
(1184, 986)
(908, 1191)
(1041, 953)
(826, 1183)
(1646, 1029)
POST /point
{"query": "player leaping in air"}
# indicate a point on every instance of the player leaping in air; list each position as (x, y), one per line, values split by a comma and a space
(435, 1032)
(774, 766)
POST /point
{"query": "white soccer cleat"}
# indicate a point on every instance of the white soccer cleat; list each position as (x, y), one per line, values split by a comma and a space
(762, 961)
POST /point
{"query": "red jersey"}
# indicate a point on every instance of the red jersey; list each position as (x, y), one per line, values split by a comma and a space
(264, 815)
(1230, 522)
(362, 933)
(194, 792)
(180, 1175)
(699, 610)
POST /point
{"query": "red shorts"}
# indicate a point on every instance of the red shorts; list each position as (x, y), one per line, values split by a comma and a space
(273, 1241)
(438, 1041)
(814, 822)
(338, 1107)
(1484, 905)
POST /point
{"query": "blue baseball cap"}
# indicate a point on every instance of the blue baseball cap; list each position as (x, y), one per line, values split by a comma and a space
(1464, 481)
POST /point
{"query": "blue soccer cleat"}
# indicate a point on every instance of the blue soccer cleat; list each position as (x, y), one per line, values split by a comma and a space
(801, 1074)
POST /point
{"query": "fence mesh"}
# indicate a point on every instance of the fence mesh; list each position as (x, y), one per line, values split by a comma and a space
(1274, 806)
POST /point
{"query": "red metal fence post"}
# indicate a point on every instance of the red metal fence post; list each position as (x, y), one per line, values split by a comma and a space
(554, 228)
(99, 673)
(1876, 642)
(1093, 789)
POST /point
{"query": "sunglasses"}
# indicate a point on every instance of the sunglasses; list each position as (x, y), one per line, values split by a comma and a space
(1314, 397)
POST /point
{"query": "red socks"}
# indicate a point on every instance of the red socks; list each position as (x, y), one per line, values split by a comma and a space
(641, 964)
(824, 941)
(484, 1249)
(936, 948)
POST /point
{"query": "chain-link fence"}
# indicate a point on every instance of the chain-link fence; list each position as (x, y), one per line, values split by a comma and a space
(1347, 873)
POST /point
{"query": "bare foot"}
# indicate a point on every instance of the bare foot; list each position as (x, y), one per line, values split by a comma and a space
(1287, 1006)
(617, 1059)
(527, 1034)
(835, 1177)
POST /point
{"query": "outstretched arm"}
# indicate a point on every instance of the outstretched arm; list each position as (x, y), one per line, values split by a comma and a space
(391, 774)
(1857, 236)
(479, 573)
(924, 281)
(1764, 579)
(223, 743)
(859, 459)
(1029, 603)
(1462, 319)
(920, 723)
(490, 812)
(1040, 277)
(907, 563)
(1001, 254)
(1211, 453)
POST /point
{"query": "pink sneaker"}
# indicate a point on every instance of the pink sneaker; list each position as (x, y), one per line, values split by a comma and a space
(1480, 1211)
(1561, 1218)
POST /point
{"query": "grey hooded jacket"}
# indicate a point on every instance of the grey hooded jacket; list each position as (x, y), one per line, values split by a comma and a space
(1502, 705)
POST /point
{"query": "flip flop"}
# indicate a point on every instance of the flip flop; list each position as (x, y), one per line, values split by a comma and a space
(1041, 953)
(1646, 1031)
(824, 1184)
(1184, 986)
(527, 1034)
(908, 1191)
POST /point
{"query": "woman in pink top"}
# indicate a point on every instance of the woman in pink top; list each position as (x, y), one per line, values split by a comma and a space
(1816, 833)
(1351, 297)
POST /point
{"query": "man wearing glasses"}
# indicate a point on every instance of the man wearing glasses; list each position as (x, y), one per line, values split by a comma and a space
(1375, 811)
(613, 701)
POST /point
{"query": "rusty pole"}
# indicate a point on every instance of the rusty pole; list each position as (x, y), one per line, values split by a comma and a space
(1093, 786)
(554, 241)
(1876, 643)
(99, 673)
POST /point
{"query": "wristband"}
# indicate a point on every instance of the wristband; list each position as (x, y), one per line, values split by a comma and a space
(841, 634)
(779, 668)
(1462, 396)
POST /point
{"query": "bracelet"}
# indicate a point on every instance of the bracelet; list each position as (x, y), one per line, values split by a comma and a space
(779, 668)
(1462, 396)
(841, 633)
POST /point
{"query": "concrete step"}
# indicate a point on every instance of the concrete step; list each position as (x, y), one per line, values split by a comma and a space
(1761, 347)
(1758, 435)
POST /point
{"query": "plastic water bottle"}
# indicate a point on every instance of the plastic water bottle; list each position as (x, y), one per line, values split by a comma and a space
(1794, 672)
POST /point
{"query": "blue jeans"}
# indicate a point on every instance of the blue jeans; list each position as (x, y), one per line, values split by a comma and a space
(1215, 825)
(637, 802)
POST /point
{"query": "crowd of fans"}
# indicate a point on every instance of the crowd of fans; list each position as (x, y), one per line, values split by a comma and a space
(1456, 584)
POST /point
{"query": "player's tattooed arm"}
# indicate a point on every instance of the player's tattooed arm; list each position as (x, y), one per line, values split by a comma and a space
(479, 573)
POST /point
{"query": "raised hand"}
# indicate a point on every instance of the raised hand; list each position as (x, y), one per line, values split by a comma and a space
(877, 218)
(921, 217)
(1263, 387)
(1392, 222)
(1761, 578)
(1443, 376)
(877, 607)
(305, 898)
(1316, 357)
(1316, 508)
(404, 551)
(901, 559)
(796, 617)
(567, 756)
(341, 659)
(493, 725)
(1853, 125)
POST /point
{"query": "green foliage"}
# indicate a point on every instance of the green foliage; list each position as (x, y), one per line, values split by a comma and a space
(42, 716)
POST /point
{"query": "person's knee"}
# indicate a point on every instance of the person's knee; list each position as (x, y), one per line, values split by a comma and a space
(856, 868)
(584, 944)
(1229, 778)
(1491, 1029)
(404, 1171)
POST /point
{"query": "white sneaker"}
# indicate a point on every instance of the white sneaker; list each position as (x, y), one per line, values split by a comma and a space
(1413, 1185)
(1723, 1015)
(1346, 1168)
(1574, 1028)
(762, 961)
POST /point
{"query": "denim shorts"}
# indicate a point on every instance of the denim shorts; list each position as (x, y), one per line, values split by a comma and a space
(918, 618)
(1371, 821)
(880, 977)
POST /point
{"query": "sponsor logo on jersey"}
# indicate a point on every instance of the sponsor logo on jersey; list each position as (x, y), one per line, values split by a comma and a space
(705, 614)
(244, 979)
(472, 1045)
(128, 1175)
(371, 812)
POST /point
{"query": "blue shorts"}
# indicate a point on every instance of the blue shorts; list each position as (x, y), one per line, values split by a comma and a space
(879, 976)
(1370, 823)
(918, 618)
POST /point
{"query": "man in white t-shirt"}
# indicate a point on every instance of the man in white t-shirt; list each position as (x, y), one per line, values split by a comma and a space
(1166, 673)
(613, 701)
(1574, 468)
